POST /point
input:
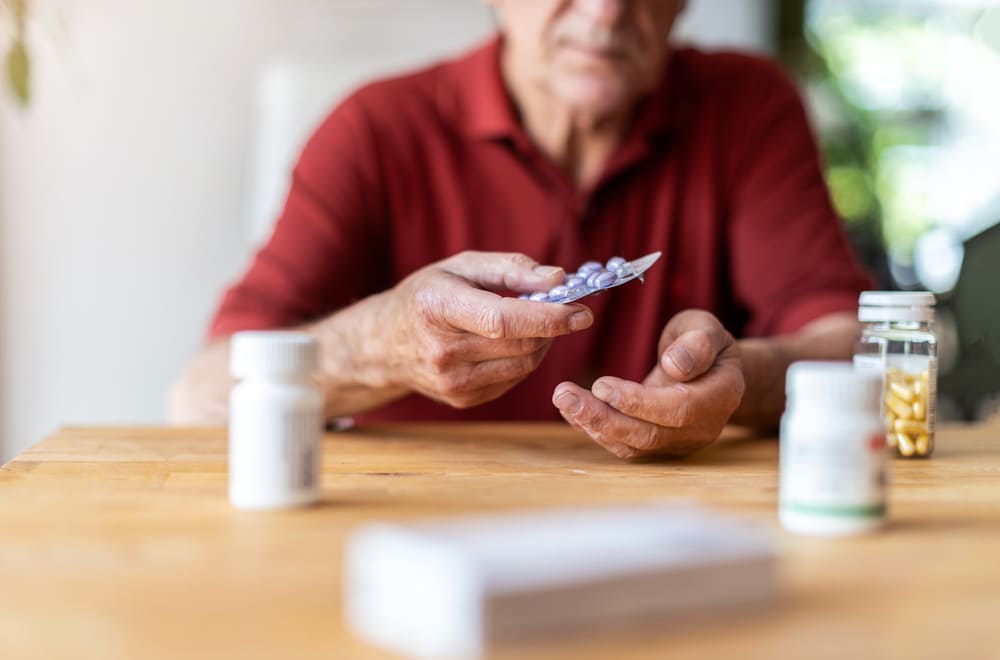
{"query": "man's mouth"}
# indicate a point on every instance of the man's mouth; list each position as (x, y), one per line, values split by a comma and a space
(601, 53)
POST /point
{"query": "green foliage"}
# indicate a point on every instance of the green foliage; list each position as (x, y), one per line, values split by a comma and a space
(874, 84)
(18, 68)
(851, 190)
(17, 63)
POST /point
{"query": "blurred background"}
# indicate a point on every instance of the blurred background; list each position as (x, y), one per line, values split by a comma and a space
(145, 149)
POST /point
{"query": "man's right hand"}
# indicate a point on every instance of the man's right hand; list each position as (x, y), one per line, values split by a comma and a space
(446, 333)
(443, 332)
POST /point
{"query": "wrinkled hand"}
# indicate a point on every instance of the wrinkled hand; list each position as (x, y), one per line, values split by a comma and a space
(447, 335)
(680, 407)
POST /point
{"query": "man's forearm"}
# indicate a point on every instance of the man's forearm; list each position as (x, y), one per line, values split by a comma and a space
(354, 374)
(352, 379)
(766, 360)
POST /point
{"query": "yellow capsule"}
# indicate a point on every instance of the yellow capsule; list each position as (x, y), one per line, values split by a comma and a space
(909, 426)
(890, 439)
(894, 374)
(920, 388)
(890, 418)
(924, 377)
(899, 408)
(902, 392)
(919, 410)
(923, 444)
(905, 444)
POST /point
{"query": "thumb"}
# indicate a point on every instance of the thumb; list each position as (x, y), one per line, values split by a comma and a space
(504, 270)
(690, 344)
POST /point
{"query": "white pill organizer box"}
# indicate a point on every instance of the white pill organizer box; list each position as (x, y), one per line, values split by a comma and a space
(454, 588)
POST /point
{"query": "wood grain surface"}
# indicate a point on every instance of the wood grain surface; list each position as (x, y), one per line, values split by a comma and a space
(120, 543)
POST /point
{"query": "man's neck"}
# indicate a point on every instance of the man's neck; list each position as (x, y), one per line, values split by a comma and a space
(579, 143)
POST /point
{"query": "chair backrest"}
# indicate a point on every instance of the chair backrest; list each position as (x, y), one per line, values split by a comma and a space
(973, 382)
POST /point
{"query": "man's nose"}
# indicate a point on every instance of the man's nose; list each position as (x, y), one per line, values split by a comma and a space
(605, 12)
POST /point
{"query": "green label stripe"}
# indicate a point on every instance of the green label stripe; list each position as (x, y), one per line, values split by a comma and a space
(873, 511)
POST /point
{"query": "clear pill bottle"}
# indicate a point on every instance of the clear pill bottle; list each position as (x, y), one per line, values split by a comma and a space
(898, 342)
(833, 451)
(275, 420)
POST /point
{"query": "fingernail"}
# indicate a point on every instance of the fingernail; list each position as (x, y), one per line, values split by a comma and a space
(547, 271)
(569, 403)
(602, 391)
(681, 358)
(580, 320)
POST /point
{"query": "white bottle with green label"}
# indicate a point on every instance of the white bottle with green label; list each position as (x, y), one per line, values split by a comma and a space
(833, 451)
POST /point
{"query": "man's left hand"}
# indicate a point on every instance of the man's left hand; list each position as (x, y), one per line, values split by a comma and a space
(680, 407)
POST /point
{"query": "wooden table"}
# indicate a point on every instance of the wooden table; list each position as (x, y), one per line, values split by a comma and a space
(120, 543)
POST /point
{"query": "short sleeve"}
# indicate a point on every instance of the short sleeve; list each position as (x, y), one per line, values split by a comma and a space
(326, 248)
(790, 260)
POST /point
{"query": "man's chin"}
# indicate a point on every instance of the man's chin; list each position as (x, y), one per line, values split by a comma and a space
(594, 96)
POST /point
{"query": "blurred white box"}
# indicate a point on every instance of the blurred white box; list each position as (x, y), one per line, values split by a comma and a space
(454, 588)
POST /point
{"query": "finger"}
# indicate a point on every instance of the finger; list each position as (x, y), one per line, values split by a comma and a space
(678, 405)
(461, 385)
(469, 348)
(657, 377)
(469, 398)
(623, 436)
(628, 437)
(557, 394)
(504, 270)
(488, 315)
(479, 395)
(694, 347)
(506, 369)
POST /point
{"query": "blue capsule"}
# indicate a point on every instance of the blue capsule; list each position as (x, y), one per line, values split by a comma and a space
(557, 293)
(614, 263)
(575, 281)
(592, 278)
(589, 267)
(541, 296)
(604, 280)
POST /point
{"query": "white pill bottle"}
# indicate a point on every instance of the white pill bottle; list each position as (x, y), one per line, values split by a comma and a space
(275, 421)
(833, 451)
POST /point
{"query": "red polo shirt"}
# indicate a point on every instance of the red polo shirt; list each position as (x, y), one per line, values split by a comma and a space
(719, 171)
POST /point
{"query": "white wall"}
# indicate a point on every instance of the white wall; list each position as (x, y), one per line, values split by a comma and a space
(743, 24)
(125, 188)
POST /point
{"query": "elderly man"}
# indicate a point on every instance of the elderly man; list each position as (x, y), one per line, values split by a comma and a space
(578, 133)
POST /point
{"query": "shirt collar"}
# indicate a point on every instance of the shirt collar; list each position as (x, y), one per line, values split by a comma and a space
(486, 108)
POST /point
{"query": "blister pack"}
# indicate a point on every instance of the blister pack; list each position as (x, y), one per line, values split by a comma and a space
(594, 277)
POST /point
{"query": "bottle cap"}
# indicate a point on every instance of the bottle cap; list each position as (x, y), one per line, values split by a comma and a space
(889, 306)
(260, 353)
(836, 384)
